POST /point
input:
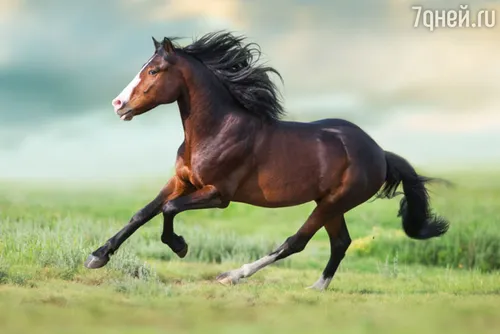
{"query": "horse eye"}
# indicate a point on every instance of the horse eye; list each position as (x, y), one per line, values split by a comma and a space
(153, 72)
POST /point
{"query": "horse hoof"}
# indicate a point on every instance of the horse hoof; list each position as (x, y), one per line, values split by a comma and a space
(182, 253)
(94, 262)
(225, 279)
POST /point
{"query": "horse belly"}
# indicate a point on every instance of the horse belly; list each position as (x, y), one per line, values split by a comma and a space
(278, 187)
(294, 168)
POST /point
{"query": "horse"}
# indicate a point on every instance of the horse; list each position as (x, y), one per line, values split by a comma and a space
(238, 148)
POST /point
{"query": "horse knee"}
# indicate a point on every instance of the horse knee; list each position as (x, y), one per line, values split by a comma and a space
(170, 209)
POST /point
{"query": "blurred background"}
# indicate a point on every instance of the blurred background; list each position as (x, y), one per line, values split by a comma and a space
(431, 97)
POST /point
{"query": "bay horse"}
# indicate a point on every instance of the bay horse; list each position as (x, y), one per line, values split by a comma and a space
(237, 148)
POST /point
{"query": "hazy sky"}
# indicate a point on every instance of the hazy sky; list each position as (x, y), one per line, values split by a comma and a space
(61, 63)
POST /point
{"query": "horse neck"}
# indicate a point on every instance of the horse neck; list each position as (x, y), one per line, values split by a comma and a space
(204, 104)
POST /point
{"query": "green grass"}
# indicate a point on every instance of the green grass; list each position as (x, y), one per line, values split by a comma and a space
(386, 284)
(187, 300)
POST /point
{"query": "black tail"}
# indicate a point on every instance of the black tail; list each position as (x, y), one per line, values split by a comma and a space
(418, 221)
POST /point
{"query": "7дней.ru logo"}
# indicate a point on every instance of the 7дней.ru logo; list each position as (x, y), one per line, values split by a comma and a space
(454, 18)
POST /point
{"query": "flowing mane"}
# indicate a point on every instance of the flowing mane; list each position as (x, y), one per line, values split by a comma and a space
(236, 64)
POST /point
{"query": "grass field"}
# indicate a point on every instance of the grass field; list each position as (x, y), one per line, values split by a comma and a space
(386, 284)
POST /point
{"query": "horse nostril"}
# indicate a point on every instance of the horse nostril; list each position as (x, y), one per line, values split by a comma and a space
(117, 102)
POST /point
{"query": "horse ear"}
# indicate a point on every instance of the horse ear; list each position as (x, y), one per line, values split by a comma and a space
(157, 44)
(168, 46)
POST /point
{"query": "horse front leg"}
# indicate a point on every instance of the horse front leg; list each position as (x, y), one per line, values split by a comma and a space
(176, 242)
(100, 257)
(205, 198)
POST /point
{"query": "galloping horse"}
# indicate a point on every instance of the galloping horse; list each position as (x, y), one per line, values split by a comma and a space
(238, 149)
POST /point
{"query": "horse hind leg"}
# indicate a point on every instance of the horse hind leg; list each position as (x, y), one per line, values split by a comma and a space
(339, 243)
(325, 211)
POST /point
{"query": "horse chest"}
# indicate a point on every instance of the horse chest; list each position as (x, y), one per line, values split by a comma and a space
(195, 169)
(209, 167)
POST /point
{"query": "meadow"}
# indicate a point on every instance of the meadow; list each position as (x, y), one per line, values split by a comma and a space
(386, 284)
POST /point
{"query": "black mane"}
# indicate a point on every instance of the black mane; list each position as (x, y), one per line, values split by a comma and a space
(236, 65)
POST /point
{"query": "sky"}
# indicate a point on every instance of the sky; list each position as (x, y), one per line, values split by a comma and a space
(429, 96)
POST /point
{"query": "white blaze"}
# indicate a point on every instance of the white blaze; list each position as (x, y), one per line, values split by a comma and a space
(124, 96)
